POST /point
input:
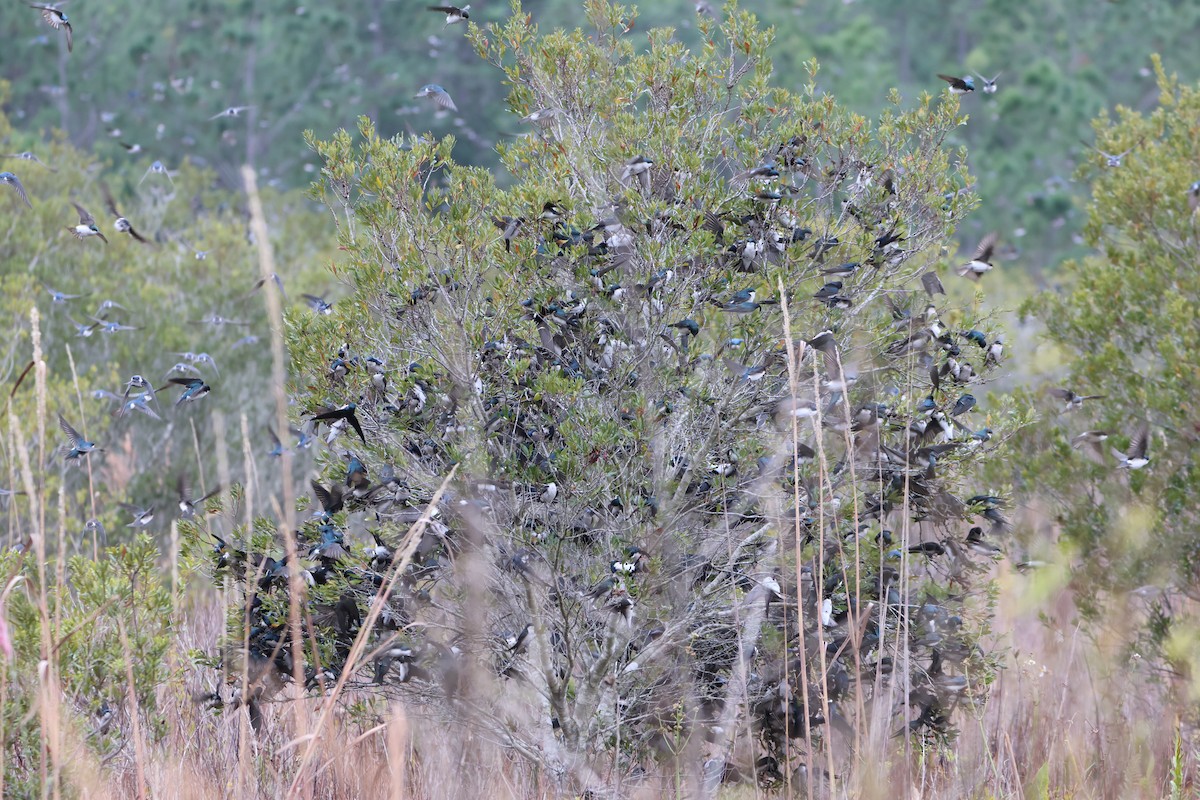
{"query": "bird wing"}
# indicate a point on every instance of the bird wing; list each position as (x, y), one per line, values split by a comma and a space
(109, 202)
(1062, 394)
(353, 418)
(70, 37)
(1137, 446)
(15, 182)
(322, 495)
(983, 253)
(71, 433)
(84, 217)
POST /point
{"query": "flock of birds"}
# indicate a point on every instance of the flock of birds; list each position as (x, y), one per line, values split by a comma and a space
(898, 451)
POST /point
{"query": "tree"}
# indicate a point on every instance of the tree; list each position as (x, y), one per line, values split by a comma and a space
(644, 459)
(1123, 321)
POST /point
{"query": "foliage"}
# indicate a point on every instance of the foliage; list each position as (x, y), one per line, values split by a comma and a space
(1124, 321)
(639, 549)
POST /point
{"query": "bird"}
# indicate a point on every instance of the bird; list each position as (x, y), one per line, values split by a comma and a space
(454, 14)
(438, 95)
(194, 389)
(56, 19)
(142, 517)
(1072, 401)
(1193, 196)
(77, 447)
(962, 405)
(122, 224)
(981, 262)
(277, 448)
(232, 111)
(187, 506)
(639, 167)
(1110, 160)
(28, 156)
(959, 85)
(1088, 437)
(345, 412)
(60, 298)
(1135, 457)
(8, 179)
(318, 304)
(87, 225)
(989, 86)
(157, 168)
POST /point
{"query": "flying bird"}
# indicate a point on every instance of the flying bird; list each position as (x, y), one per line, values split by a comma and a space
(122, 224)
(438, 95)
(981, 262)
(989, 86)
(9, 179)
(1111, 160)
(76, 447)
(454, 14)
(28, 156)
(193, 389)
(1135, 457)
(56, 19)
(959, 85)
(87, 225)
(157, 168)
(232, 111)
(1072, 401)
(345, 412)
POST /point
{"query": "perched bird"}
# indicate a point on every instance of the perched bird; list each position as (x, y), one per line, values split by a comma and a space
(87, 225)
(454, 14)
(959, 85)
(1072, 401)
(8, 179)
(981, 262)
(1135, 457)
(1111, 160)
(56, 19)
(232, 111)
(77, 447)
(345, 412)
(438, 95)
(989, 86)
(962, 405)
(122, 224)
(28, 156)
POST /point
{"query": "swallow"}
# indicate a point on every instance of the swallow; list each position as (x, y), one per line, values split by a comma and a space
(438, 95)
(157, 168)
(138, 402)
(989, 86)
(82, 331)
(110, 326)
(194, 389)
(61, 298)
(976, 543)
(1072, 401)
(995, 351)
(217, 321)
(200, 358)
(8, 179)
(381, 554)
(552, 212)
(1110, 160)
(232, 111)
(981, 262)
(87, 225)
(132, 149)
(183, 368)
(187, 506)
(142, 517)
(77, 447)
(55, 18)
(331, 499)
(274, 278)
(962, 405)
(639, 167)
(509, 227)
(541, 116)
(122, 224)
(277, 448)
(318, 304)
(1135, 457)
(959, 85)
(28, 156)
(454, 14)
(1088, 437)
(1193, 196)
(345, 412)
